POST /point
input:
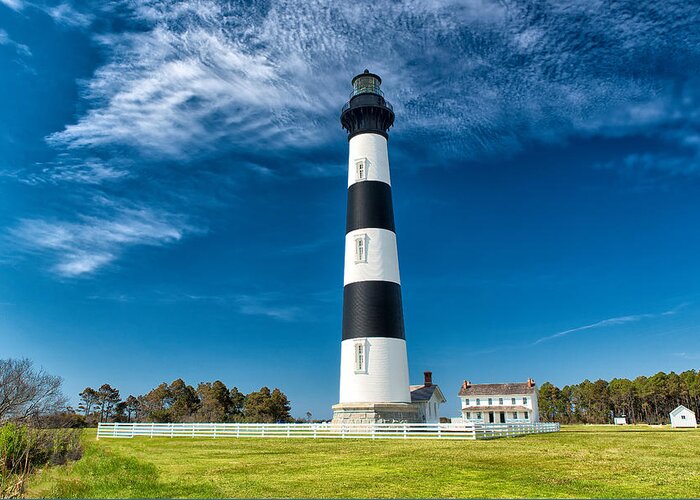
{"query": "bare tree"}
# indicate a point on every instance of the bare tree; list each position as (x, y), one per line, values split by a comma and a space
(27, 392)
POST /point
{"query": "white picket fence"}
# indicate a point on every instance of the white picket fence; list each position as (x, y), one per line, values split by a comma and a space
(324, 430)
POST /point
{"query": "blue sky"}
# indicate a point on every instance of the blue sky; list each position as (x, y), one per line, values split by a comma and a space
(172, 188)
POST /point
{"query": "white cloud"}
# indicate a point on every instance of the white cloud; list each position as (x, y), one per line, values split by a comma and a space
(84, 246)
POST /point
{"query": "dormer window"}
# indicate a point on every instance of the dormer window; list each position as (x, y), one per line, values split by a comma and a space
(360, 357)
(361, 169)
(361, 248)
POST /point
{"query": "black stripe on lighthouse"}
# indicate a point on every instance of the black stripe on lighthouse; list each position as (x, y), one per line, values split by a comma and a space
(370, 205)
(372, 309)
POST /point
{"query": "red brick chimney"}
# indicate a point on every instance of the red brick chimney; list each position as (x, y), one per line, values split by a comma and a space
(466, 384)
(530, 383)
(428, 379)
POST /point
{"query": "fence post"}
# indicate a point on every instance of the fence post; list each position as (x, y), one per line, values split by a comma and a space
(152, 424)
(238, 430)
(289, 430)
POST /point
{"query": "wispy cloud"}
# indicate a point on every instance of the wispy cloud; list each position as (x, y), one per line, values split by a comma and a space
(491, 75)
(687, 355)
(261, 83)
(19, 47)
(66, 168)
(618, 320)
(84, 246)
(273, 305)
(13, 4)
(66, 14)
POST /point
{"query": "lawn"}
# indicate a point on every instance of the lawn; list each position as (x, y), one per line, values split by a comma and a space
(580, 461)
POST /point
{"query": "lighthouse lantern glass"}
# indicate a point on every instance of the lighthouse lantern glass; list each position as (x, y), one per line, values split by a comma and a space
(366, 85)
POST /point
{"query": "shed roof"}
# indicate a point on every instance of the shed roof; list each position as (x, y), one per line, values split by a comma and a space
(496, 389)
(679, 409)
(425, 392)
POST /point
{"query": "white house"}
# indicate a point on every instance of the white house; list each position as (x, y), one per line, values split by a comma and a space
(427, 398)
(683, 417)
(499, 403)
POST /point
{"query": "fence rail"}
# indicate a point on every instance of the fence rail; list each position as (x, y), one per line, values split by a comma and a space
(324, 430)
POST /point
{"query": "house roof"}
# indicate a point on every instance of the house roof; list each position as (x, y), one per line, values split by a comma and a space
(496, 389)
(679, 409)
(424, 393)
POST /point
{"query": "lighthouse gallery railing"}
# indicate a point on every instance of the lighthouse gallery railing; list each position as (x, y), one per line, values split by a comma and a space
(323, 430)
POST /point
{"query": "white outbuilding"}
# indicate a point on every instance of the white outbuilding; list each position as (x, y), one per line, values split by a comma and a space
(683, 417)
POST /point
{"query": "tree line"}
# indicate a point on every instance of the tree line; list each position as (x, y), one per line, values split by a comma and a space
(642, 400)
(179, 402)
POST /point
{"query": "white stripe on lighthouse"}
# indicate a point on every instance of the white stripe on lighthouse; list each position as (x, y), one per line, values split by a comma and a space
(373, 149)
(382, 260)
(385, 378)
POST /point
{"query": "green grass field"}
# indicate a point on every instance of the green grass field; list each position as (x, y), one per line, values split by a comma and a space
(580, 461)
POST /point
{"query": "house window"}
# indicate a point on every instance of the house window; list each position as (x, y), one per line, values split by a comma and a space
(490, 401)
(512, 401)
(361, 169)
(466, 402)
(478, 415)
(527, 415)
(478, 401)
(682, 417)
(500, 401)
(469, 415)
(515, 415)
(360, 248)
(360, 358)
(524, 401)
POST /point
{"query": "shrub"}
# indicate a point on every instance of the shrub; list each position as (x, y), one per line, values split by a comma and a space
(23, 449)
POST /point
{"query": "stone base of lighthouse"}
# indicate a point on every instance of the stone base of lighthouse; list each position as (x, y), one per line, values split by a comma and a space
(370, 413)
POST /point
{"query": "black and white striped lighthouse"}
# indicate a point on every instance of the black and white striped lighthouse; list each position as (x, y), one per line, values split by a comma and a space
(373, 368)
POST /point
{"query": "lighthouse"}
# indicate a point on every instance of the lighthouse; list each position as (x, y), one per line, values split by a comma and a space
(374, 385)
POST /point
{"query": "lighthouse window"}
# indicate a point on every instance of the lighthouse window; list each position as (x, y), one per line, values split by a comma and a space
(361, 248)
(361, 169)
(360, 358)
